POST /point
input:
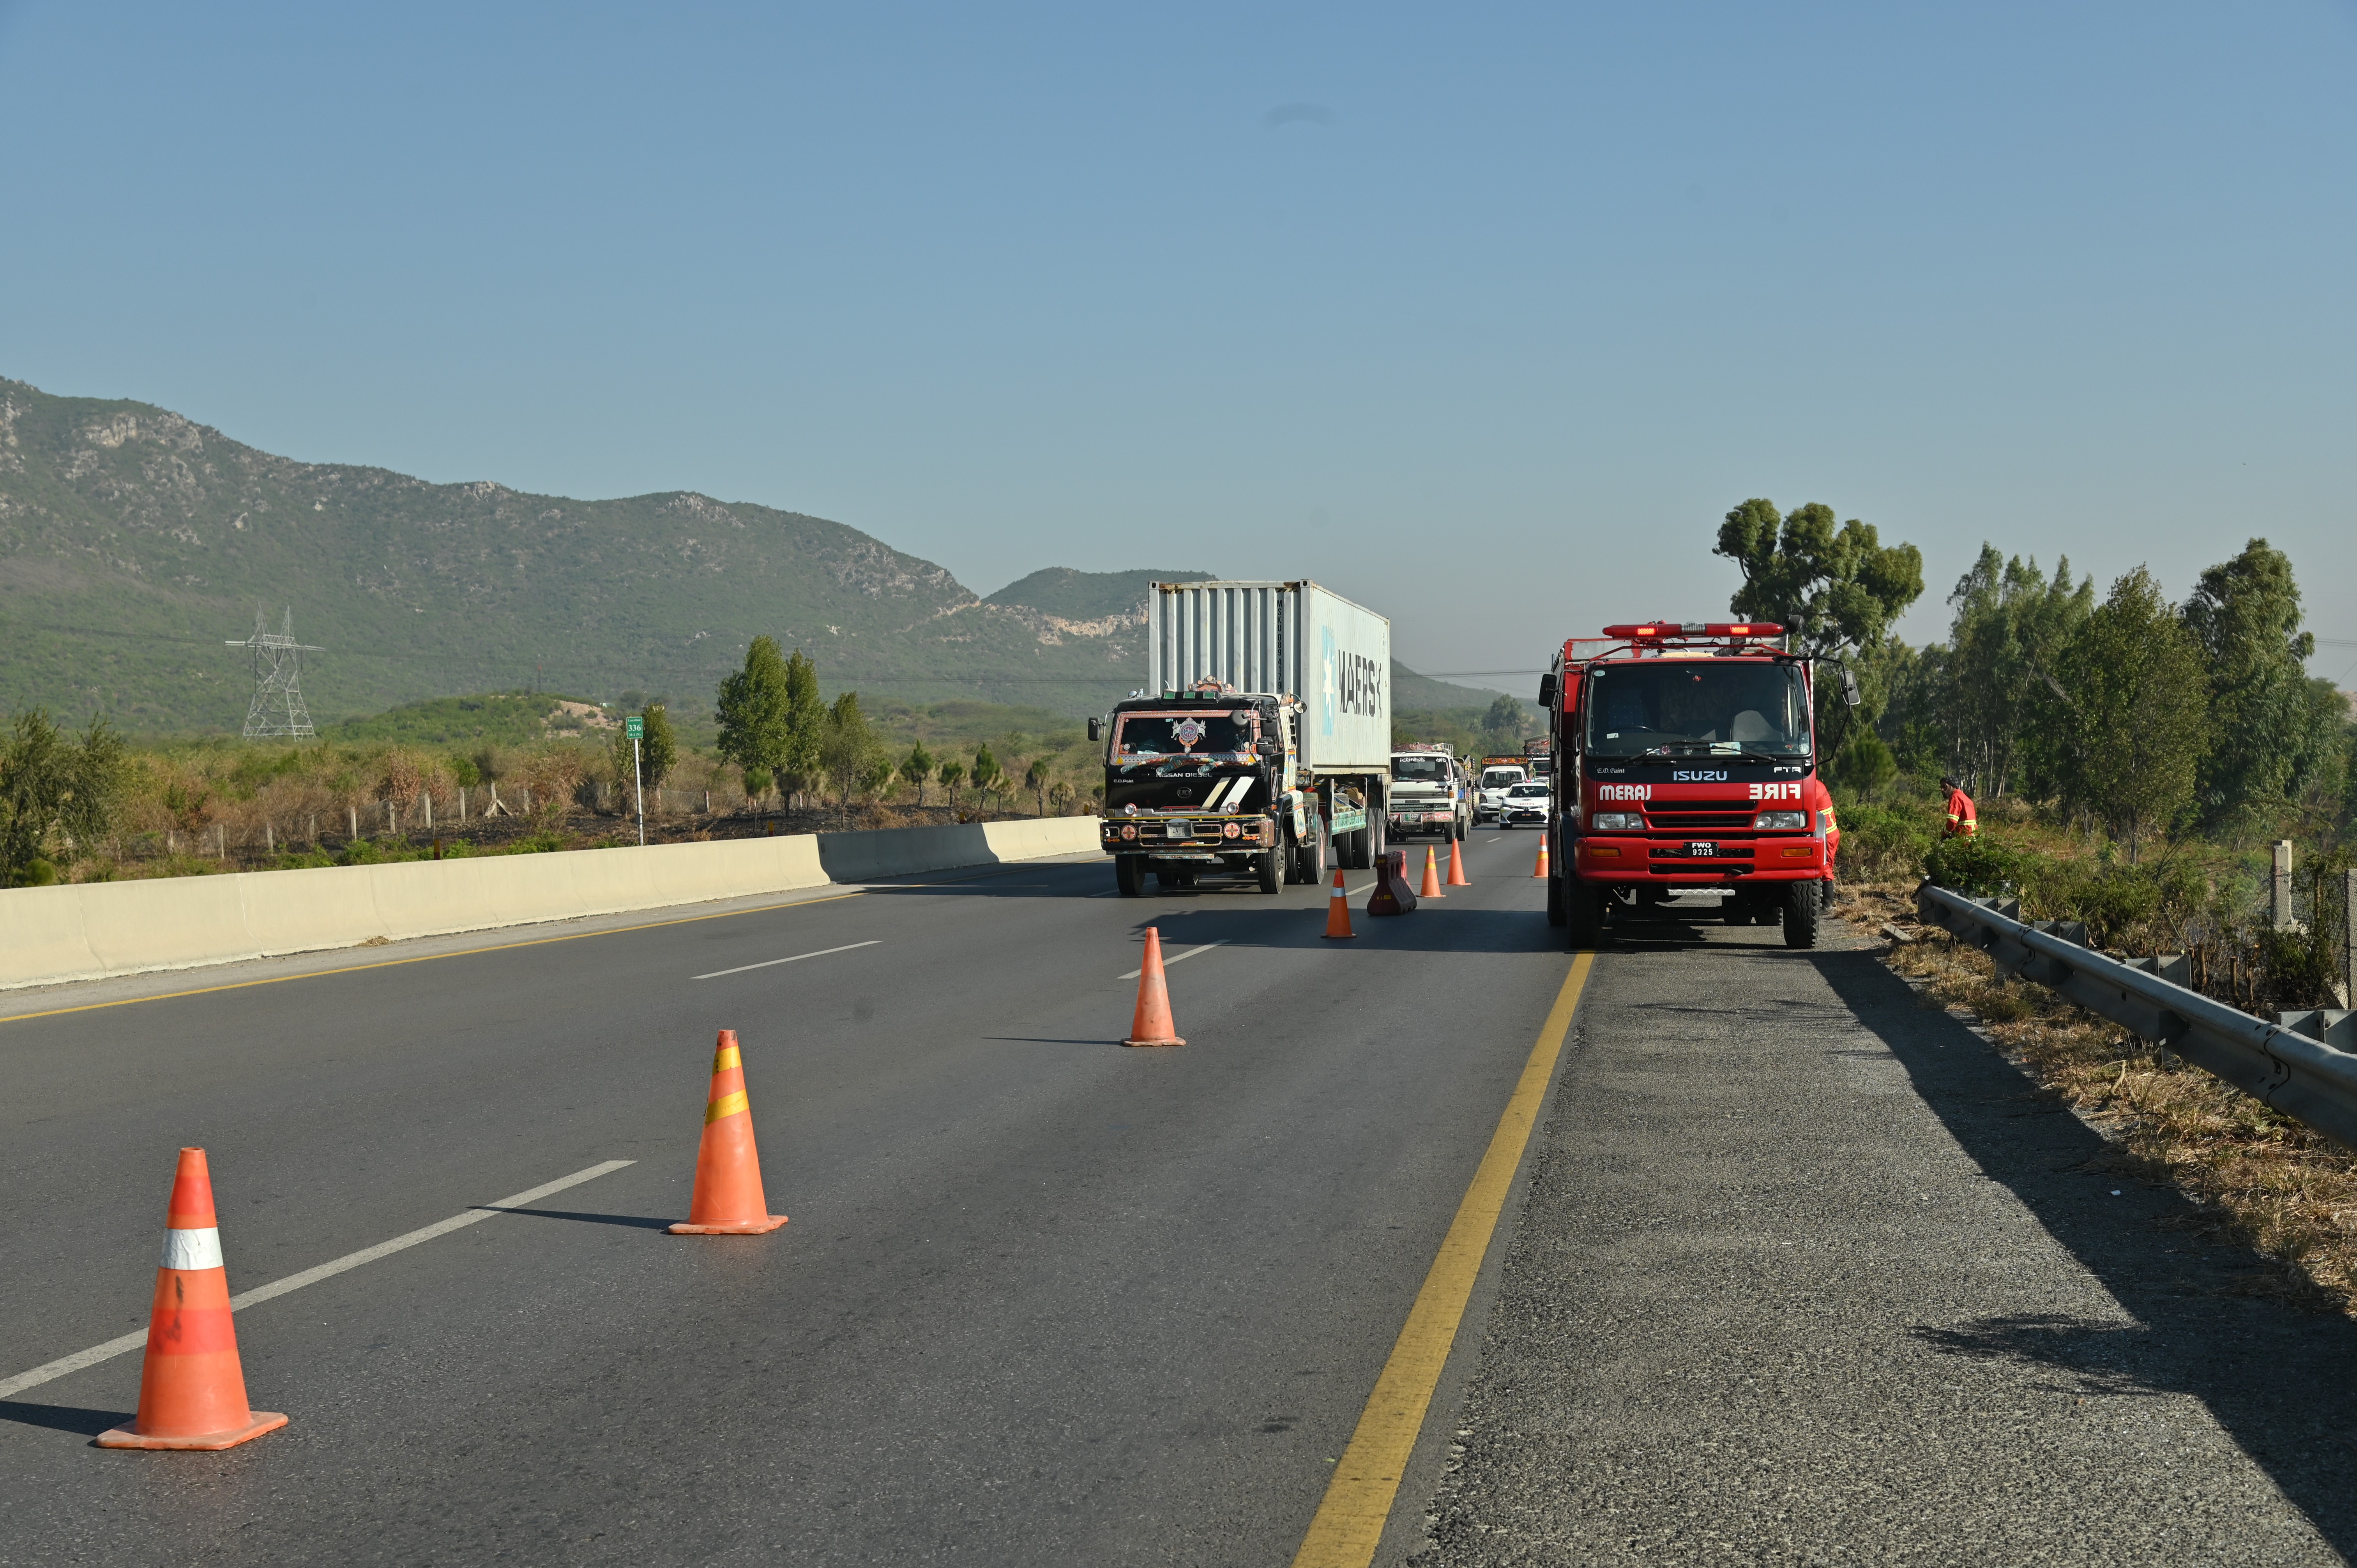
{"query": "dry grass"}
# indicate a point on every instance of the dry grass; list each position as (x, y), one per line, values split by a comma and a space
(2256, 1177)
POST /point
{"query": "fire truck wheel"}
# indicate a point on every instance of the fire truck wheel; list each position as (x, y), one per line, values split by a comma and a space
(1129, 875)
(1269, 864)
(1583, 924)
(1555, 914)
(1800, 908)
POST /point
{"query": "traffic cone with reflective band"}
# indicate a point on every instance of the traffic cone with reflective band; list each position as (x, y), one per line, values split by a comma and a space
(1541, 868)
(1457, 878)
(1152, 1024)
(1338, 912)
(1431, 888)
(728, 1200)
(191, 1386)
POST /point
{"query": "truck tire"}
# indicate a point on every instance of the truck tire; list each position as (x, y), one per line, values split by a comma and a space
(1801, 904)
(1270, 863)
(1557, 915)
(1309, 857)
(1583, 926)
(1129, 875)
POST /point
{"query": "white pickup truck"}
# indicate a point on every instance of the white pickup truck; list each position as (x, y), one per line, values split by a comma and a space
(1429, 793)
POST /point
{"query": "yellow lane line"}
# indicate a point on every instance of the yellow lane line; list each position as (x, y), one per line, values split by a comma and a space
(428, 958)
(1350, 1523)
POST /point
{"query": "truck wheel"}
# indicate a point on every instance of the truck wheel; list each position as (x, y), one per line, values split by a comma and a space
(1800, 909)
(1583, 925)
(1129, 875)
(1270, 865)
(1555, 913)
(1309, 859)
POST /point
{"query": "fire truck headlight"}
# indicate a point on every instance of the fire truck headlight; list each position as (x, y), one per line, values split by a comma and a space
(1769, 821)
(1616, 822)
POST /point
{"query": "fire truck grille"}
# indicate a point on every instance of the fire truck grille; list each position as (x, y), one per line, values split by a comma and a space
(1716, 815)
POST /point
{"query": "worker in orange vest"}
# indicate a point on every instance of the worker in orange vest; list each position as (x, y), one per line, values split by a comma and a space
(1962, 820)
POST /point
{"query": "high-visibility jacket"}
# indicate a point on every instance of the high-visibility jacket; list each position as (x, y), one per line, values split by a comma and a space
(1962, 821)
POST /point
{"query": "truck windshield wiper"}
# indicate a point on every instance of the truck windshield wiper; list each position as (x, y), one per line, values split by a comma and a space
(1664, 753)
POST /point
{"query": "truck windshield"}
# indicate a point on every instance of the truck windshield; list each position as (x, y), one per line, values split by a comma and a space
(1686, 709)
(1167, 735)
(1421, 769)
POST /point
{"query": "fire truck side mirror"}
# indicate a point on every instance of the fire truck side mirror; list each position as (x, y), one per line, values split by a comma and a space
(1546, 690)
(1097, 730)
(1849, 687)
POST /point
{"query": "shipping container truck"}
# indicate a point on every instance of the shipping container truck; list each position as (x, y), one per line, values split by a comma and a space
(1260, 745)
(1685, 763)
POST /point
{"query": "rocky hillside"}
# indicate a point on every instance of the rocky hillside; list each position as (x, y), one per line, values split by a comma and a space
(135, 542)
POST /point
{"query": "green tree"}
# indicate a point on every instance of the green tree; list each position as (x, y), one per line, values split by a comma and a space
(849, 751)
(2277, 735)
(1828, 586)
(755, 711)
(2010, 626)
(985, 772)
(653, 755)
(953, 775)
(917, 767)
(1505, 725)
(52, 783)
(1035, 778)
(2133, 694)
(806, 722)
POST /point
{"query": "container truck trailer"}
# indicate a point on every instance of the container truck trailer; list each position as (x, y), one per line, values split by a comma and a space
(1260, 745)
(1685, 762)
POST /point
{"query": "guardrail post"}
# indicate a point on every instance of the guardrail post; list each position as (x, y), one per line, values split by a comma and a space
(2349, 938)
(2280, 910)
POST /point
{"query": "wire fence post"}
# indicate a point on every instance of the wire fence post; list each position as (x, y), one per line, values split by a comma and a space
(2280, 910)
(2349, 938)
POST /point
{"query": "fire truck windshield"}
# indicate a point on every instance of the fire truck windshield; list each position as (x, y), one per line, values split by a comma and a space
(1694, 708)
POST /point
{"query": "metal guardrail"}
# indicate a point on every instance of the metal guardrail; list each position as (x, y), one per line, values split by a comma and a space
(2305, 1065)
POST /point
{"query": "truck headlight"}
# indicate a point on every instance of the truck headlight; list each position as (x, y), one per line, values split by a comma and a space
(1768, 821)
(1616, 822)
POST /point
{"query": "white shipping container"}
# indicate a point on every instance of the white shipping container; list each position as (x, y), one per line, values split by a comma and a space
(1295, 639)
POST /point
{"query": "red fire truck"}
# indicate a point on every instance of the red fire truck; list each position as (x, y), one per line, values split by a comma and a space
(1686, 764)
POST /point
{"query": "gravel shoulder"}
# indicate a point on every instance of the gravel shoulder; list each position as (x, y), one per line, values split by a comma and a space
(1808, 1272)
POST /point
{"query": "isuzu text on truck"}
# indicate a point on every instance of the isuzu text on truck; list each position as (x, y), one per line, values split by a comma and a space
(1261, 741)
(1685, 763)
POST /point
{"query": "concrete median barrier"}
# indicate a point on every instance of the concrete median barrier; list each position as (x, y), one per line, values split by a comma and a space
(91, 930)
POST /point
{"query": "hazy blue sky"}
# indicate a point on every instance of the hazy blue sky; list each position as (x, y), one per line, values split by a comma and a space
(1483, 315)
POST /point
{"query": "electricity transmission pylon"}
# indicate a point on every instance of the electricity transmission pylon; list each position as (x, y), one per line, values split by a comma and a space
(278, 709)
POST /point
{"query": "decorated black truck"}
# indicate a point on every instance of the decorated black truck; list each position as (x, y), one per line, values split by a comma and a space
(1260, 747)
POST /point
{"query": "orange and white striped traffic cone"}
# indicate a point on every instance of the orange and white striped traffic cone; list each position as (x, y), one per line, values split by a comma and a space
(1457, 878)
(1431, 888)
(727, 1200)
(1152, 1024)
(1541, 868)
(191, 1386)
(1338, 913)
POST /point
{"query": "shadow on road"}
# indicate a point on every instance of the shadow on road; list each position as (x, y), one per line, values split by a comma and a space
(637, 1221)
(2277, 1379)
(64, 1417)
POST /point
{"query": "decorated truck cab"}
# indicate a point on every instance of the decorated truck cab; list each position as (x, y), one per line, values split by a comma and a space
(1685, 763)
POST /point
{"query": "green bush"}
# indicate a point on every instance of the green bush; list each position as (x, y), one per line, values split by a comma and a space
(1885, 844)
(1864, 768)
(1976, 865)
(537, 843)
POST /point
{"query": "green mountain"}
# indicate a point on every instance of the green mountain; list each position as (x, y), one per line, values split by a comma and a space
(136, 543)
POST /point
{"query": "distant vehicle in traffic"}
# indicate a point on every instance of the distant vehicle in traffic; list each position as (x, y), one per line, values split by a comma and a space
(1489, 795)
(1525, 806)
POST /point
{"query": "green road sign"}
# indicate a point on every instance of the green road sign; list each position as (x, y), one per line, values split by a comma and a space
(634, 729)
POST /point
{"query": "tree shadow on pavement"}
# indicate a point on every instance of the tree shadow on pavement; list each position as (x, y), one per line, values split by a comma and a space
(2277, 1379)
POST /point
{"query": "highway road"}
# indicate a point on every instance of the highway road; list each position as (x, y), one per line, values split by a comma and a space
(1044, 1300)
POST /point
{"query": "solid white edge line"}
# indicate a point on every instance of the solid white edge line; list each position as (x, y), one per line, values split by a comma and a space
(1183, 956)
(773, 962)
(11, 1387)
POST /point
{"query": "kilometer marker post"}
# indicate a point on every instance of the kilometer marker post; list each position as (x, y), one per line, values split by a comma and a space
(635, 726)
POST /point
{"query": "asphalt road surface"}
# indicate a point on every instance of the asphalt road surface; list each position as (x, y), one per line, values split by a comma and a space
(1044, 1300)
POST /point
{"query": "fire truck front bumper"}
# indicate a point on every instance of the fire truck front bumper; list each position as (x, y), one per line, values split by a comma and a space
(1636, 858)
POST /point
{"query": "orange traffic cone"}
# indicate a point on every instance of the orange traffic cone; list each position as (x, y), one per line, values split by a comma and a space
(1541, 868)
(1152, 1024)
(728, 1200)
(1431, 888)
(1338, 912)
(191, 1388)
(1457, 878)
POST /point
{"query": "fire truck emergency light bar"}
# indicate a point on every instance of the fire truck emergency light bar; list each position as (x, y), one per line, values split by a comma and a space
(1696, 629)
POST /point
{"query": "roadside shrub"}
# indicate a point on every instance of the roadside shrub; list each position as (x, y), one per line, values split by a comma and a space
(1884, 844)
(1979, 865)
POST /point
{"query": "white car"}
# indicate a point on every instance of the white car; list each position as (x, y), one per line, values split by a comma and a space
(1526, 805)
(1489, 795)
